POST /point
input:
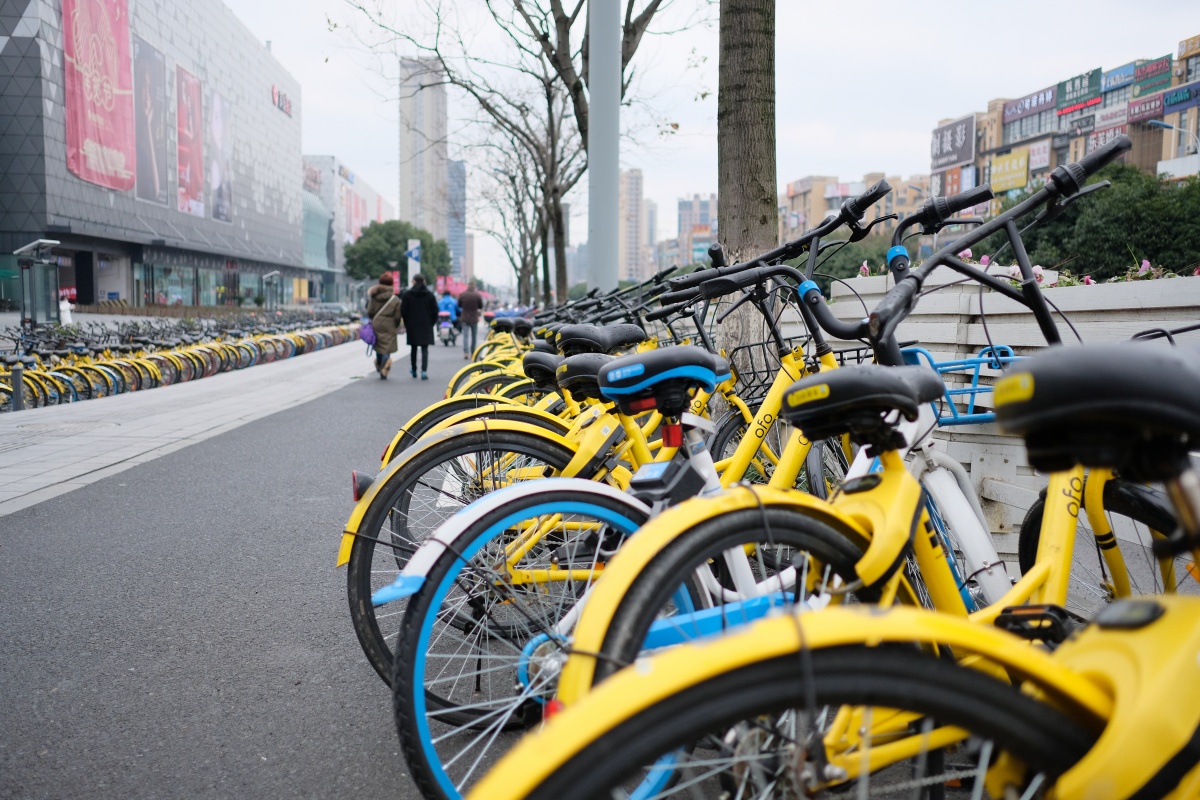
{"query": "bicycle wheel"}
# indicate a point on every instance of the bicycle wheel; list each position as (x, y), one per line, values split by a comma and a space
(1133, 511)
(436, 482)
(763, 730)
(490, 382)
(481, 640)
(782, 546)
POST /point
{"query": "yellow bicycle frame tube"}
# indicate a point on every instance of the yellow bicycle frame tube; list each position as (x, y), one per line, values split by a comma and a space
(791, 369)
(379, 485)
(658, 677)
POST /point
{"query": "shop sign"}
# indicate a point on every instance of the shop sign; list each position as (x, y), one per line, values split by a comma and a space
(799, 187)
(1044, 100)
(1189, 47)
(1145, 108)
(346, 174)
(1151, 75)
(953, 144)
(1181, 97)
(1116, 78)
(1079, 92)
(1081, 125)
(1039, 154)
(950, 182)
(1010, 171)
(281, 100)
(1100, 138)
(1113, 115)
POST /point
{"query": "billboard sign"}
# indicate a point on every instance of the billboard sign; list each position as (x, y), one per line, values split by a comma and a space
(220, 163)
(953, 144)
(99, 92)
(1044, 100)
(1181, 97)
(1188, 48)
(1010, 171)
(1081, 125)
(150, 113)
(1112, 115)
(1146, 107)
(1079, 92)
(947, 182)
(1039, 154)
(189, 131)
(1152, 75)
(1116, 78)
(1102, 137)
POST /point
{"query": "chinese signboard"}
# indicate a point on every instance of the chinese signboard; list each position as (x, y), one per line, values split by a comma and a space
(1145, 108)
(1082, 125)
(944, 184)
(953, 144)
(1102, 137)
(1112, 115)
(98, 80)
(1189, 47)
(1039, 155)
(1152, 75)
(1045, 100)
(1010, 171)
(1116, 78)
(1181, 97)
(1079, 92)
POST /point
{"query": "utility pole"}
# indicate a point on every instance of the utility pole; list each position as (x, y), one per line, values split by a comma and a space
(604, 131)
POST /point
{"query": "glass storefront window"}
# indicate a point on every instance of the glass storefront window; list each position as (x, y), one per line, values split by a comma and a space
(250, 286)
(174, 286)
(207, 284)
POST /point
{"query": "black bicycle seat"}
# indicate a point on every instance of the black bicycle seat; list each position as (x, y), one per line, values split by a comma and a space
(580, 375)
(503, 324)
(574, 339)
(1133, 406)
(541, 367)
(666, 375)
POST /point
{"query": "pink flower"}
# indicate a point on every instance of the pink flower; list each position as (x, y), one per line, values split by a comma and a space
(1144, 268)
(864, 270)
(1014, 272)
(1037, 273)
(965, 253)
(1196, 272)
(1087, 281)
(984, 260)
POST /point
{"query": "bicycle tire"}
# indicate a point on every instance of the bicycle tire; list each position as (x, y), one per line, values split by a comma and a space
(1087, 593)
(503, 410)
(768, 693)
(368, 570)
(503, 619)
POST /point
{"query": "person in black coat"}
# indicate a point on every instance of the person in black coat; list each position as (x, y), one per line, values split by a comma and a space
(418, 308)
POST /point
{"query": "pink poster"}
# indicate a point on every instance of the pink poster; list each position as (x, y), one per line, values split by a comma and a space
(190, 142)
(99, 92)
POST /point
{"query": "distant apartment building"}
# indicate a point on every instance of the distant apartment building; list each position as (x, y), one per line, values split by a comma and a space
(353, 203)
(469, 257)
(809, 200)
(631, 254)
(457, 217)
(697, 215)
(424, 166)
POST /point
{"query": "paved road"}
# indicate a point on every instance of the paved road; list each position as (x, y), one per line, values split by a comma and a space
(178, 629)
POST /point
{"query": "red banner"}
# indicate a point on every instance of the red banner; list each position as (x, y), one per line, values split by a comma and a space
(190, 142)
(99, 92)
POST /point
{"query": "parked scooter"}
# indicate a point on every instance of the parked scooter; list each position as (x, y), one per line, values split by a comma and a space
(446, 330)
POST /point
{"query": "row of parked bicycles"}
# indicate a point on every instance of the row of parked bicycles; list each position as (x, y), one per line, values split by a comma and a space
(616, 561)
(81, 362)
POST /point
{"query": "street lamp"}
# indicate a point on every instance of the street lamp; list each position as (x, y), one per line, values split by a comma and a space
(1158, 123)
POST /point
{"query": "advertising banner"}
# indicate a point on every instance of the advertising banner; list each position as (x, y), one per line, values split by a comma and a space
(1010, 171)
(1181, 97)
(947, 182)
(1116, 78)
(1152, 75)
(1079, 92)
(1145, 108)
(1102, 137)
(953, 144)
(220, 163)
(1112, 115)
(99, 92)
(1045, 100)
(1039, 155)
(190, 142)
(150, 109)
(1188, 48)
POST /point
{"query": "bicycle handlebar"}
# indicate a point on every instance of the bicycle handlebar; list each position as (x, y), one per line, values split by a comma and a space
(1070, 178)
(855, 207)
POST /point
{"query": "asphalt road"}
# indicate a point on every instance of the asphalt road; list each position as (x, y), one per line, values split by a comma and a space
(179, 629)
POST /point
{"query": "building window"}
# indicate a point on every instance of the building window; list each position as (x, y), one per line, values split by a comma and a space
(1115, 97)
(1193, 69)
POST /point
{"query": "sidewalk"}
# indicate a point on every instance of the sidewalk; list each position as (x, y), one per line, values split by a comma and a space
(45, 452)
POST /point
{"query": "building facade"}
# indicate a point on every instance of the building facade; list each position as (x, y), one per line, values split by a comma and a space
(159, 144)
(424, 166)
(456, 217)
(631, 254)
(697, 215)
(353, 204)
(806, 202)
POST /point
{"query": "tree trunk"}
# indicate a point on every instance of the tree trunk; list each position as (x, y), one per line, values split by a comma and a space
(746, 188)
(562, 284)
(547, 295)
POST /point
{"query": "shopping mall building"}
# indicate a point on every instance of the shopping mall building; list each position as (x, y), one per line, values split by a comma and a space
(159, 143)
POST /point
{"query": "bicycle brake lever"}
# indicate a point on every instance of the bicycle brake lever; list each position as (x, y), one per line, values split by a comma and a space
(1053, 209)
(860, 232)
(745, 298)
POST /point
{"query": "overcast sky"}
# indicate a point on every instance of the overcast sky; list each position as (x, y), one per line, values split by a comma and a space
(860, 85)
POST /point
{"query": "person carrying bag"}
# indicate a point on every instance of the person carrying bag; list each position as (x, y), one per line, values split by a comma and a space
(383, 307)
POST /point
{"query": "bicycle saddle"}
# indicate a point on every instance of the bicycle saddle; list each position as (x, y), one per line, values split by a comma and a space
(522, 327)
(1131, 406)
(540, 368)
(665, 375)
(544, 346)
(580, 375)
(575, 339)
(854, 399)
(502, 324)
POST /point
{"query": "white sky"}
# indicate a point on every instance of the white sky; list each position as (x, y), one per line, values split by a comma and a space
(859, 85)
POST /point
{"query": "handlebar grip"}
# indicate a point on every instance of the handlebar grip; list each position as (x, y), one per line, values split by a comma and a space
(1069, 178)
(728, 284)
(716, 254)
(662, 273)
(666, 311)
(694, 279)
(857, 206)
(669, 298)
(943, 208)
(613, 316)
(892, 309)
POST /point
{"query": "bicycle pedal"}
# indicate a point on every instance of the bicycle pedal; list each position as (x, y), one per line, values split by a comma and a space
(1037, 623)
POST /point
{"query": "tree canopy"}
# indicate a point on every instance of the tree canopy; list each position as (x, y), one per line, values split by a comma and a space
(383, 242)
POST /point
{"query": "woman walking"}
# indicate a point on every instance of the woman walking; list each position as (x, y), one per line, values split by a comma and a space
(383, 309)
(419, 309)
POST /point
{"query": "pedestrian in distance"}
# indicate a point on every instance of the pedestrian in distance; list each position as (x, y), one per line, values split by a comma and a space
(448, 303)
(470, 306)
(419, 309)
(383, 309)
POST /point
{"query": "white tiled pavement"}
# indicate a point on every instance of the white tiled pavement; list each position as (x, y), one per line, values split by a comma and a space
(45, 452)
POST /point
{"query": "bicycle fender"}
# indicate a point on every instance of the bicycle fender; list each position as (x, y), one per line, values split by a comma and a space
(485, 407)
(447, 535)
(381, 481)
(655, 535)
(658, 677)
